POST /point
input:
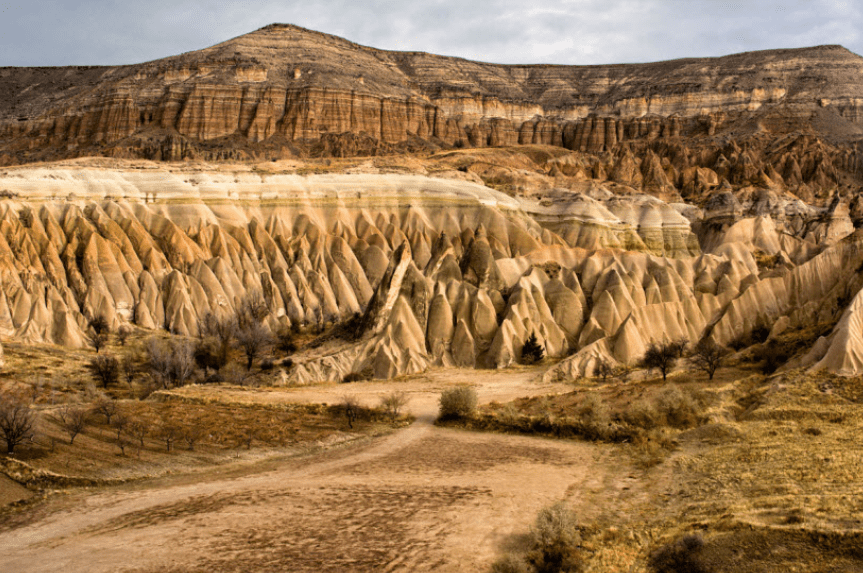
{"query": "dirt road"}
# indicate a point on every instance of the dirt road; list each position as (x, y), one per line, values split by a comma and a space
(424, 498)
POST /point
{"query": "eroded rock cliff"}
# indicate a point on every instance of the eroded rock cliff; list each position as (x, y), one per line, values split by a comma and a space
(445, 272)
(284, 90)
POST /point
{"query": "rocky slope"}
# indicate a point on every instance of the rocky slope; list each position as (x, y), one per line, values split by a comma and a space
(284, 90)
(445, 272)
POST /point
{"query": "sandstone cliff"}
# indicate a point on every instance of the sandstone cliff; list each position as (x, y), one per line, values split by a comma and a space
(284, 90)
(446, 272)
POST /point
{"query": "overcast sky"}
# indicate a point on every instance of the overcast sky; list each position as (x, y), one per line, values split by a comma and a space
(80, 32)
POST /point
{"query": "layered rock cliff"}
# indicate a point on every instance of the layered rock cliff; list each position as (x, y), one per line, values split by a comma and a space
(284, 90)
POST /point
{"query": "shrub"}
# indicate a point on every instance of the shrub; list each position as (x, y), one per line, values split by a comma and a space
(642, 414)
(267, 365)
(458, 402)
(772, 355)
(682, 556)
(677, 408)
(556, 541)
(285, 341)
(357, 377)
(602, 370)
(532, 351)
(511, 564)
(287, 363)
(593, 411)
(209, 356)
(393, 403)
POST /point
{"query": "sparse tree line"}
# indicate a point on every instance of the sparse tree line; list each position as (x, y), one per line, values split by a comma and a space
(706, 356)
(133, 426)
(163, 363)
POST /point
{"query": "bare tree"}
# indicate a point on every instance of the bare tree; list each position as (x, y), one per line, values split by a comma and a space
(106, 406)
(123, 335)
(351, 407)
(119, 423)
(192, 432)
(99, 332)
(98, 340)
(168, 432)
(105, 369)
(17, 420)
(182, 362)
(128, 369)
(138, 429)
(220, 331)
(170, 364)
(393, 403)
(663, 356)
(707, 356)
(99, 325)
(73, 419)
(252, 308)
(253, 339)
(603, 369)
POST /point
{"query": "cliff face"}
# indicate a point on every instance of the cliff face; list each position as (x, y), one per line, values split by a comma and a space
(445, 272)
(282, 87)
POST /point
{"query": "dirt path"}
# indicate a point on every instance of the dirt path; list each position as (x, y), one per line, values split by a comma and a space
(424, 498)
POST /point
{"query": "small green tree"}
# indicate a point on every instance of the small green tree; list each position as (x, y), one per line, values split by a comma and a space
(532, 351)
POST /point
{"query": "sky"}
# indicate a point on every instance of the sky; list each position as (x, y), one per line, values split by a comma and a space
(574, 32)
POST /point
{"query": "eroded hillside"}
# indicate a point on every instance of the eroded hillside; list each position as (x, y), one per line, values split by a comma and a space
(442, 269)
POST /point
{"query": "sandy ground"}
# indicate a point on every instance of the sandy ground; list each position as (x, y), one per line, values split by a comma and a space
(424, 498)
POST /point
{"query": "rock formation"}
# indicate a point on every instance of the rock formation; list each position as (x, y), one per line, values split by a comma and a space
(599, 208)
(446, 272)
(283, 90)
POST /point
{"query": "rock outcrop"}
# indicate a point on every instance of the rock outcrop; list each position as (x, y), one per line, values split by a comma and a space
(283, 90)
(444, 272)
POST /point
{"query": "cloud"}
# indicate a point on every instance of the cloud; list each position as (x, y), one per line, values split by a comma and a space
(52, 32)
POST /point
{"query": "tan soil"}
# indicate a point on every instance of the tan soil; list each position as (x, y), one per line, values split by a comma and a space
(423, 498)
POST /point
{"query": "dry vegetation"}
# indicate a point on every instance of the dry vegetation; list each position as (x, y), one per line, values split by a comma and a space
(720, 473)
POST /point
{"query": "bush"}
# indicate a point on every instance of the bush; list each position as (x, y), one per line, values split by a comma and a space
(556, 541)
(642, 414)
(511, 564)
(267, 365)
(287, 363)
(458, 402)
(679, 409)
(532, 351)
(772, 355)
(393, 403)
(682, 556)
(357, 377)
(593, 411)
(285, 341)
